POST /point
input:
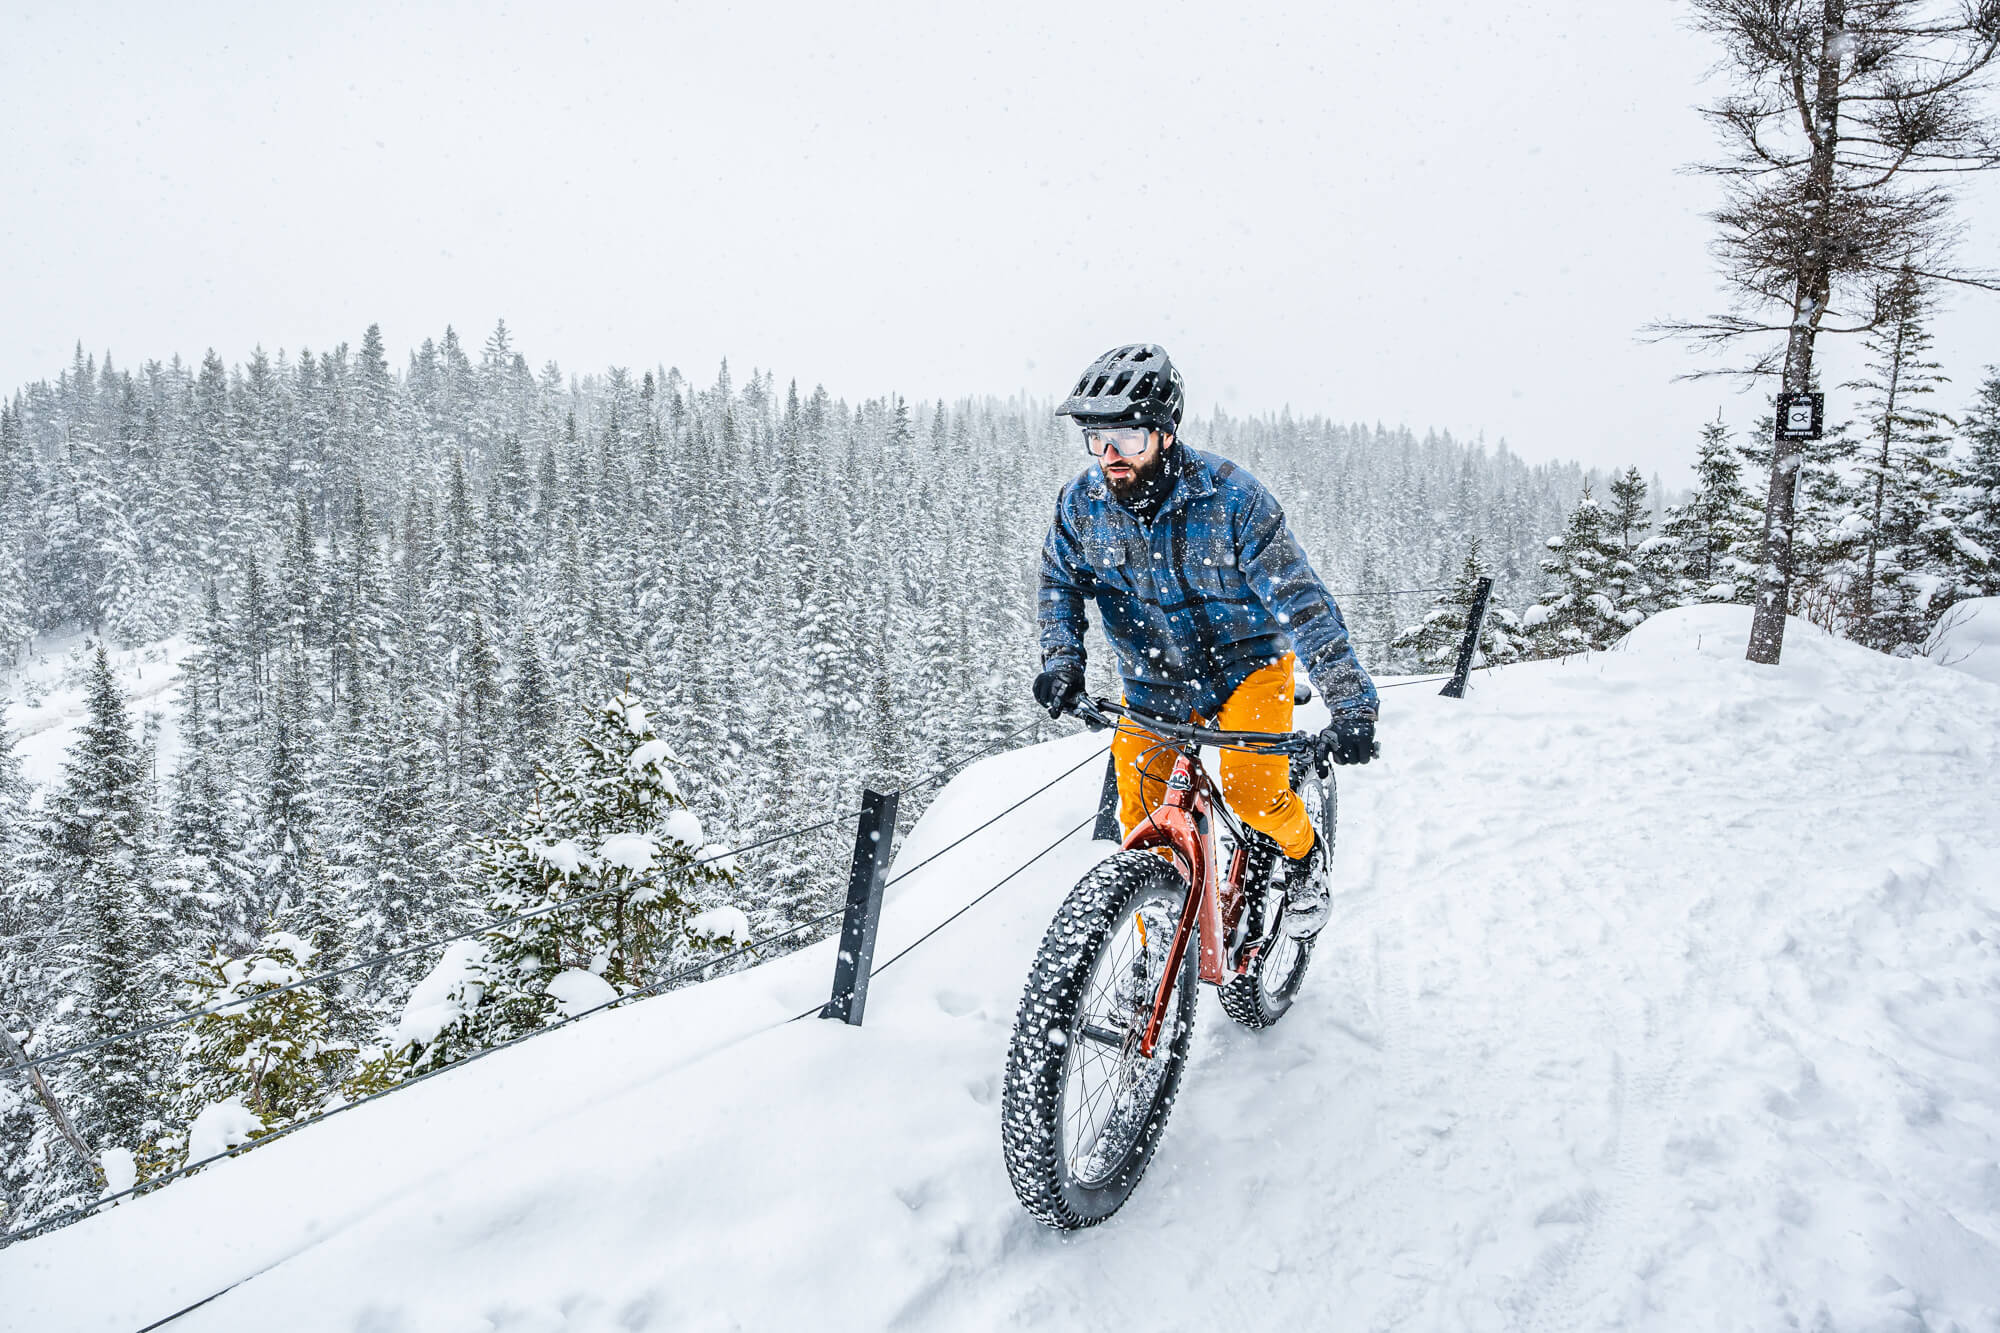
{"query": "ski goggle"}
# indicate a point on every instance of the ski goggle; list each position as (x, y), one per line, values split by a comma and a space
(1125, 441)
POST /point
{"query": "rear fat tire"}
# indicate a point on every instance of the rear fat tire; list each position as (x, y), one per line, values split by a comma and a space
(1264, 991)
(1046, 1041)
(1305, 779)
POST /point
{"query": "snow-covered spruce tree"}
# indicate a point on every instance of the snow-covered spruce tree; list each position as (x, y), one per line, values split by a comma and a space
(1713, 535)
(1642, 576)
(15, 624)
(399, 882)
(610, 836)
(1905, 557)
(27, 993)
(1433, 643)
(95, 841)
(208, 881)
(1979, 478)
(1579, 611)
(277, 1056)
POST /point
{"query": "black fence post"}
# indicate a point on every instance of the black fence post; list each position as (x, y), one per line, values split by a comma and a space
(1108, 829)
(1455, 687)
(873, 835)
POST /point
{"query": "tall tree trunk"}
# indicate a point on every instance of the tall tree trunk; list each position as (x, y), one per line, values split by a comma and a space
(11, 1051)
(1815, 283)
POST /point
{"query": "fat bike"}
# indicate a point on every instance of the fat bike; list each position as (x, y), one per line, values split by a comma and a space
(1102, 1032)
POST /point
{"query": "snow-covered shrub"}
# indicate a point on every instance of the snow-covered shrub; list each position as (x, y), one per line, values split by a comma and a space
(614, 865)
(1434, 642)
(1580, 612)
(270, 1052)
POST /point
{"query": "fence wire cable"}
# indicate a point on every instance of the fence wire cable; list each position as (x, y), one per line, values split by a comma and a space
(988, 892)
(905, 874)
(652, 988)
(880, 968)
(959, 761)
(1416, 680)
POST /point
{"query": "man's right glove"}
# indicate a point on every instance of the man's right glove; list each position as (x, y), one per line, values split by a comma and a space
(1351, 739)
(1058, 685)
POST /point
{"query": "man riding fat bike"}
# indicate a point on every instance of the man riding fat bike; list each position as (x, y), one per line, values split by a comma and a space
(1208, 600)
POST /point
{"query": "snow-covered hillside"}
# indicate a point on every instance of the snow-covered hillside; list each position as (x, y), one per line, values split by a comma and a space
(1664, 993)
(45, 698)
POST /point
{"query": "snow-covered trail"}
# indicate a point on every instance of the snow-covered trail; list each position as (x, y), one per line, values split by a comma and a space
(1664, 993)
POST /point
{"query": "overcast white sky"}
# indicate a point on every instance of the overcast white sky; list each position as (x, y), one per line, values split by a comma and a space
(1450, 214)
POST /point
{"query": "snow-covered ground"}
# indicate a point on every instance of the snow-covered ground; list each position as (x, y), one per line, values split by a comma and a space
(46, 703)
(1664, 993)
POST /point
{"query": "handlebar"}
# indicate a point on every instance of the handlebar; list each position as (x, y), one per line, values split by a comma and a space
(1100, 712)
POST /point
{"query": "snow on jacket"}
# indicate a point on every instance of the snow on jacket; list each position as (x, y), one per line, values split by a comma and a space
(1213, 588)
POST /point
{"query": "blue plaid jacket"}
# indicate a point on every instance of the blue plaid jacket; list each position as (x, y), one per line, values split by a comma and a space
(1214, 588)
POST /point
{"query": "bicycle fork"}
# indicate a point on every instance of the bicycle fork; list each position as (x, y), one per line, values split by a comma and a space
(1179, 825)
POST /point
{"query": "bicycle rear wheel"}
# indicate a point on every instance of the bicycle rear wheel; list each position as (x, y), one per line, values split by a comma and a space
(1264, 991)
(1082, 1109)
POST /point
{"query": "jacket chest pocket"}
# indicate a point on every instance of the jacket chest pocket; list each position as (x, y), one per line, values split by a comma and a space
(1210, 563)
(1110, 556)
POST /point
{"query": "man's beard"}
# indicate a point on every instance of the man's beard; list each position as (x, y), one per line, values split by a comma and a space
(1144, 482)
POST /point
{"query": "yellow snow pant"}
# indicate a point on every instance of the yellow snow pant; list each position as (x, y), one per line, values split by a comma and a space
(1257, 787)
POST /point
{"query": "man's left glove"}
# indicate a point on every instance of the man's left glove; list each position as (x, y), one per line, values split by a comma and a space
(1058, 685)
(1351, 739)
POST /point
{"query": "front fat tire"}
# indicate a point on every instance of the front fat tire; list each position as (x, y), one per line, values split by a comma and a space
(1045, 1041)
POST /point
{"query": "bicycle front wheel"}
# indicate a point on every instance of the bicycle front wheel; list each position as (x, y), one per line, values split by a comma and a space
(1082, 1109)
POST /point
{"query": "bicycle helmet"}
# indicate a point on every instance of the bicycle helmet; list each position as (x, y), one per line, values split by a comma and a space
(1134, 384)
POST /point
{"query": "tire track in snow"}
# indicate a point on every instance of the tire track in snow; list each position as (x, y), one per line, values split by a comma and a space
(1396, 853)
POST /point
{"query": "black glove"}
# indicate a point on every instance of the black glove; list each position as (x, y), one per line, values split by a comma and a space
(1350, 740)
(1058, 685)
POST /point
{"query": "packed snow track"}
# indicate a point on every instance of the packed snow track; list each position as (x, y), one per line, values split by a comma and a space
(1663, 992)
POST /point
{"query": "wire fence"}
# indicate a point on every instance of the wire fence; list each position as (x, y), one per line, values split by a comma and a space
(79, 1213)
(1354, 593)
(666, 983)
(37, 1062)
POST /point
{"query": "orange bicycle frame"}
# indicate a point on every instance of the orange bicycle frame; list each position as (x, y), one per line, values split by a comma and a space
(1183, 825)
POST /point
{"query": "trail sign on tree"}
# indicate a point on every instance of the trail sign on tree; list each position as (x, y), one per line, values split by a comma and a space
(1800, 415)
